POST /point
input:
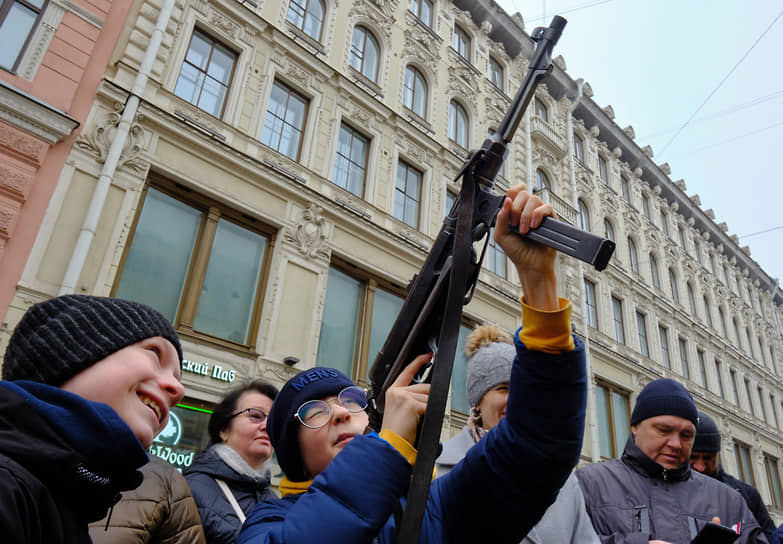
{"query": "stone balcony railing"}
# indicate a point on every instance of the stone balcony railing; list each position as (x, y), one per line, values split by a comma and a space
(542, 129)
(563, 209)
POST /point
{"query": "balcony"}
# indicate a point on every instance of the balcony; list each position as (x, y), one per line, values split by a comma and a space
(543, 131)
(565, 212)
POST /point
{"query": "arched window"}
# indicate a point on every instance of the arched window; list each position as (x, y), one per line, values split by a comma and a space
(307, 16)
(415, 94)
(656, 279)
(542, 181)
(634, 256)
(458, 124)
(364, 53)
(674, 287)
(584, 216)
(608, 230)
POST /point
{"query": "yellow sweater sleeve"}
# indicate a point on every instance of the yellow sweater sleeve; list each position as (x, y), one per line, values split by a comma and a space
(549, 332)
(400, 444)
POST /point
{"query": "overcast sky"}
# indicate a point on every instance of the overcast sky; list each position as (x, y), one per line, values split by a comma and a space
(657, 62)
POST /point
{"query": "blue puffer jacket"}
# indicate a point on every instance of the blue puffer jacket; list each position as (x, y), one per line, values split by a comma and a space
(505, 485)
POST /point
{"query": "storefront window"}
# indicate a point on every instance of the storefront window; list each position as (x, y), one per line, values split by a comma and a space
(184, 436)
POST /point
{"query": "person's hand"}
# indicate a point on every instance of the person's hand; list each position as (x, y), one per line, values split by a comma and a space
(535, 263)
(405, 404)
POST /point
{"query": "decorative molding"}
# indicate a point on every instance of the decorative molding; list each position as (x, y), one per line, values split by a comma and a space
(34, 116)
(98, 141)
(23, 144)
(15, 181)
(308, 236)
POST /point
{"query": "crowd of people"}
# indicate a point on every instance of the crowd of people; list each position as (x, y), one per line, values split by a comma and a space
(88, 382)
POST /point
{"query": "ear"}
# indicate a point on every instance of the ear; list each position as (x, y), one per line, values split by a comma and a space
(223, 435)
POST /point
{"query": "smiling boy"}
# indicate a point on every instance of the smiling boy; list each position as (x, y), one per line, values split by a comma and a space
(87, 384)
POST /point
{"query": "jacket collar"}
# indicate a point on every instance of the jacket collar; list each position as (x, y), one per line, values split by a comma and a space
(287, 487)
(638, 461)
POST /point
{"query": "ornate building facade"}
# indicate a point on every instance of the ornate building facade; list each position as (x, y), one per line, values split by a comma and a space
(270, 175)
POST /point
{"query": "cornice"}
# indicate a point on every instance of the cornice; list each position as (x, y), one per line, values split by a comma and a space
(34, 116)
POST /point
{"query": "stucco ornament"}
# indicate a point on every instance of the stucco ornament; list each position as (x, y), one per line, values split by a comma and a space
(308, 236)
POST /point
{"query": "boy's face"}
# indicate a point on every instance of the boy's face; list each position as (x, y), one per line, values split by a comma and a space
(140, 382)
(320, 446)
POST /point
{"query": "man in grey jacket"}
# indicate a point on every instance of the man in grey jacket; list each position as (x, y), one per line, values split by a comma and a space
(651, 494)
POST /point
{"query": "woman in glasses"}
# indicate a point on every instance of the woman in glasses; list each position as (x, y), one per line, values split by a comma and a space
(229, 478)
(343, 485)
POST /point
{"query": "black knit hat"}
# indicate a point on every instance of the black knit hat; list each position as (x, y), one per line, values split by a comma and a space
(707, 435)
(664, 397)
(281, 425)
(58, 338)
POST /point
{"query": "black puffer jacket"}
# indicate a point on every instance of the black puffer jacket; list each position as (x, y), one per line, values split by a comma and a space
(220, 522)
(634, 499)
(63, 463)
(752, 497)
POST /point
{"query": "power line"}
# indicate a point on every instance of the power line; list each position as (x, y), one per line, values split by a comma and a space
(733, 139)
(720, 84)
(761, 232)
(570, 10)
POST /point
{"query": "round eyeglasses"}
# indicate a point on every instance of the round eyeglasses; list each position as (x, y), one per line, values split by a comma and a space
(256, 416)
(314, 414)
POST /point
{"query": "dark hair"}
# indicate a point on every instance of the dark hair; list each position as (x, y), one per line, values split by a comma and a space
(220, 419)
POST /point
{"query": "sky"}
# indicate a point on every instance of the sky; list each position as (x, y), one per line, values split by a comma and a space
(701, 82)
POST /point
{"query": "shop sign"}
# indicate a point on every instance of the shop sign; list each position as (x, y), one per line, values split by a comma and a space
(165, 444)
(203, 369)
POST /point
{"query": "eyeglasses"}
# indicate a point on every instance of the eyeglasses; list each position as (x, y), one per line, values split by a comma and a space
(256, 416)
(314, 414)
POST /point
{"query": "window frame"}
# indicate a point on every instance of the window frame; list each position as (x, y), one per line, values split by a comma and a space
(592, 309)
(618, 319)
(663, 335)
(773, 480)
(354, 134)
(744, 473)
(495, 72)
(304, 15)
(212, 211)
(408, 167)
(603, 169)
(5, 8)
(368, 36)
(579, 148)
(461, 42)
(686, 369)
(641, 328)
(458, 110)
(301, 130)
(633, 255)
(419, 85)
(418, 5)
(608, 391)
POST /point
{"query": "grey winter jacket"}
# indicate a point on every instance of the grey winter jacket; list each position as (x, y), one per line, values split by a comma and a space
(220, 522)
(565, 521)
(634, 500)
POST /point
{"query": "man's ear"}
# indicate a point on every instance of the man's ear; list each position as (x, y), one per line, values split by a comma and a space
(633, 432)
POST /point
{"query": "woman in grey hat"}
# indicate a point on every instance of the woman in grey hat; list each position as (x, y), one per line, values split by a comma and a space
(490, 352)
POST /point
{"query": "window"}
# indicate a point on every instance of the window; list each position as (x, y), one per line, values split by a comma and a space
(542, 181)
(634, 255)
(608, 230)
(744, 466)
(626, 188)
(584, 216)
(761, 404)
(579, 148)
(364, 53)
(357, 316)
(284, 121)
(207, 261)
(750, 399)
(206, 74)
(307, 16)
(646, 207)
(407, 194)
(415, 92)
(674, 287)
(641, 326)
(458, 124)
(590, 303)
(691, 298)
(613, 420)
(423, 10)
(663, 333)
(459, 398)
(682, 237)
(707, 311)
(734, 390)
(686, 371)
(773, 477)
(719, 374)
(619, 324)
(18, 19)
(541, 110)
(350, 167)
(654, 272)
(702, 367)
(496, 259)
(451, 197)
(697, 249)
(774, 411)
(714, 264)
(723, 323)
(496, 73)
(603, 169)
(665, 223)
(460, 41)
(737, 332)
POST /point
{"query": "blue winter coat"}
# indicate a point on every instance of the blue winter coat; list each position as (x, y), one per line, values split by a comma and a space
(505, 485)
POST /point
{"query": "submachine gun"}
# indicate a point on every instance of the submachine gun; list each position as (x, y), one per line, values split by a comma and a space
(430, 317)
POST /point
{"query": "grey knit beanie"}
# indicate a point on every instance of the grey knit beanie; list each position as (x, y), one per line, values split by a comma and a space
(707, 435)
(491, 355)
(58, 338)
